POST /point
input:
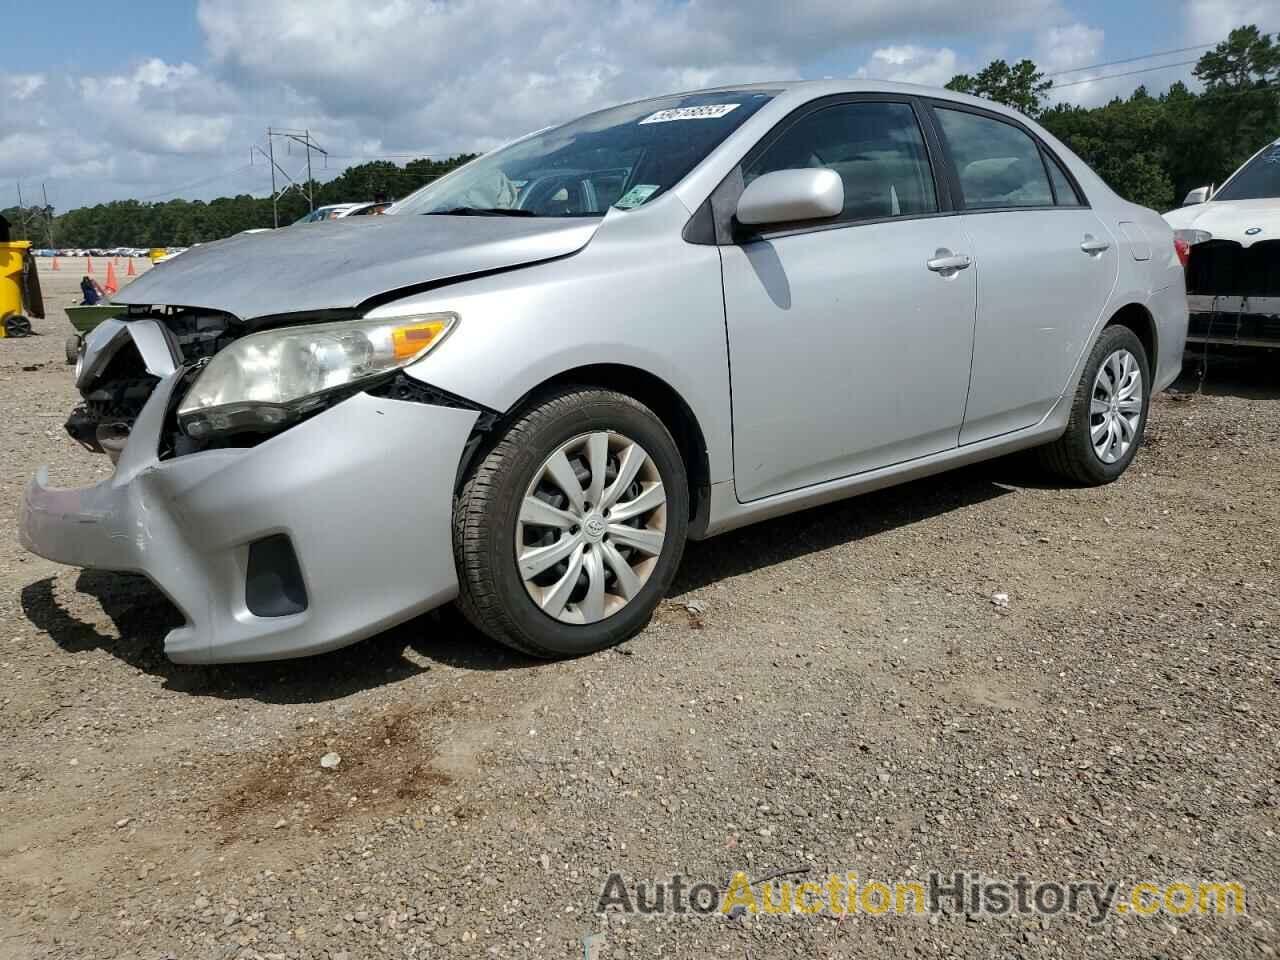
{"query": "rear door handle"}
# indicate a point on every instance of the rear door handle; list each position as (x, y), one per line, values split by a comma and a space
(1091, 246)
(947, 263)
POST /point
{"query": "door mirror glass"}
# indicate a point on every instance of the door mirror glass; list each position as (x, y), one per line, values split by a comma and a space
(1198, 195)
(785, 196)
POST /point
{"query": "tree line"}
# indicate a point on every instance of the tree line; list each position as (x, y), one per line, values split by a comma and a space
(171, 223)
(1150, 149)
(1153, 150)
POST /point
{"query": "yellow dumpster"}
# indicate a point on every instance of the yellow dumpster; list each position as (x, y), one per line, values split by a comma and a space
(19, 285)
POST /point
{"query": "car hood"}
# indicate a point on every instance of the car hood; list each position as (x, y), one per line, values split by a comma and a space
(1230, 219)
(340, 264)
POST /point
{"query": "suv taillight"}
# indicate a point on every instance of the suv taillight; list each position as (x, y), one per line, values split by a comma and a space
(1182, 249)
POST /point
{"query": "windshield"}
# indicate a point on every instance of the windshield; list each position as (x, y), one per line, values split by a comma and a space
(1257, 180)
(621, 157)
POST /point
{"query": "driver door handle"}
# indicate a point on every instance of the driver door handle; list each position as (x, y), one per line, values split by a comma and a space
(1091, 246)
(946, 262)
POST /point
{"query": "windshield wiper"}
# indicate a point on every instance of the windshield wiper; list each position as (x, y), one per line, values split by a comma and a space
(481, 212)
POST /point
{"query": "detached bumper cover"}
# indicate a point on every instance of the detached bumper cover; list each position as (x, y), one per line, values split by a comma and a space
(364, 492)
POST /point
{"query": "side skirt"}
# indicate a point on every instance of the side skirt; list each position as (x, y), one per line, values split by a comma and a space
(728, 514)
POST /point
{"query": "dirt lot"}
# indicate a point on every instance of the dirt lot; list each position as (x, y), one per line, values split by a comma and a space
(835, 690)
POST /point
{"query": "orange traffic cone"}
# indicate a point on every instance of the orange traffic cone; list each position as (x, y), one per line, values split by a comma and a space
(111, 286)
(130, 272)
(88, 265)
(55, 263)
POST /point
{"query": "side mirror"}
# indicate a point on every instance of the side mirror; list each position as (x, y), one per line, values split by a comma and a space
(1198, 195)
(785, 196)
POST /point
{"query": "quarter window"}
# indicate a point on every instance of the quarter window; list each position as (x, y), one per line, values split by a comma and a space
(999, 165)
(1063, 191)
(877, 148)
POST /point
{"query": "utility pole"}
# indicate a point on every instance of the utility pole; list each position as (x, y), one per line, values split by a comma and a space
(271, 155)
(306, 188)
(22, 212)
(48, 215)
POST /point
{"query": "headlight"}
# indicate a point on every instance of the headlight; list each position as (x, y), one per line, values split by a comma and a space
(1192, 237)
(266, 379)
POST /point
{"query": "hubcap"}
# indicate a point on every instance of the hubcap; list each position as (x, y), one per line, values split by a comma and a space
(1116, 408)
(591, 527)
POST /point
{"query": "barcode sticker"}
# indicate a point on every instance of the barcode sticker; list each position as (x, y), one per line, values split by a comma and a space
(710, 112)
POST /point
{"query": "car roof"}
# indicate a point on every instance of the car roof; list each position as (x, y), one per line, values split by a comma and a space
(810, 89)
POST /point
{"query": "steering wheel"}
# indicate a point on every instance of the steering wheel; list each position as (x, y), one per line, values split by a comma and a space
(560, 195)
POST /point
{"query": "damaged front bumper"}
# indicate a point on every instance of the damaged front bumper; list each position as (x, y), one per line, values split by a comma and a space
(313, 539)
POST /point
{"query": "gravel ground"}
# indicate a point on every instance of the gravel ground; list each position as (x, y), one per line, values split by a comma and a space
(834, 690)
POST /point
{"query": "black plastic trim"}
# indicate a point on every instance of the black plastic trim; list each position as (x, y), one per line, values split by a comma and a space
(701, 228)
(401, 386)
(273, 584)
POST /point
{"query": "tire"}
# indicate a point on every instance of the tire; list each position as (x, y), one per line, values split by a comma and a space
(1073, 456)
(492, 510)
(72, 348)
(16, 326)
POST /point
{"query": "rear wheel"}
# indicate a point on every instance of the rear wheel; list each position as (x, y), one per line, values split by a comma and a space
(569, 530)
(1108, 414)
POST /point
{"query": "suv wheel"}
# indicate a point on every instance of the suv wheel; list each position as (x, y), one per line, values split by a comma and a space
(568, 532)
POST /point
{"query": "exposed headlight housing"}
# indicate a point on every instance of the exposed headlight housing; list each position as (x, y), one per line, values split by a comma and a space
(268, 379)
(1192, 237)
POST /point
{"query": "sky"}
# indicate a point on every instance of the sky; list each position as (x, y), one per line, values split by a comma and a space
(156, 99)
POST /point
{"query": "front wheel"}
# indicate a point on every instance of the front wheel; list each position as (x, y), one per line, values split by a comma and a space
(1108, 414)
(569, 530)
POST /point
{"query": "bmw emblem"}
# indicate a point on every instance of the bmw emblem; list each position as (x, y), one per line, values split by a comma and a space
(1253, 231)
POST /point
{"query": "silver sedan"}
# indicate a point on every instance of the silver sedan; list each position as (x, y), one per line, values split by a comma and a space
(532, 382)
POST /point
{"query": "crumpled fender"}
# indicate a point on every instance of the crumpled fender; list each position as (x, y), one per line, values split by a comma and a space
(154, 342)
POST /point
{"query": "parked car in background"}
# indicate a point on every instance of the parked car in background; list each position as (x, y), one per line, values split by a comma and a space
(340, 211)
(1231, 239)
(533, 380)
(330, 211)
(368, 209)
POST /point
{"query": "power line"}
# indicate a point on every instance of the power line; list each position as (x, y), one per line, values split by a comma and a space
(396, 156)
(193, 184)
(1127, 73)
(1145, 56)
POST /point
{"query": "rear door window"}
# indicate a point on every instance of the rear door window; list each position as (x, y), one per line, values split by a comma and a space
(998, 164)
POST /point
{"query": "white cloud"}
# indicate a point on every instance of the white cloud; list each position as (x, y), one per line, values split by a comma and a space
(911, 64)
(1062, 50)
(19, 151)
(1209, 21)
(1068, 47)
(163, 108)
(373, 77)
(23, 85)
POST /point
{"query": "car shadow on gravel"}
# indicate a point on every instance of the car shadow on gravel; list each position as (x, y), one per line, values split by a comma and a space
(1251, 374)
(142, 615)
(847, 521)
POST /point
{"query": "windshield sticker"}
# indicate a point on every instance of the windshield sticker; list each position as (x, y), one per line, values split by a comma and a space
(710, 112)
(636, 195)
